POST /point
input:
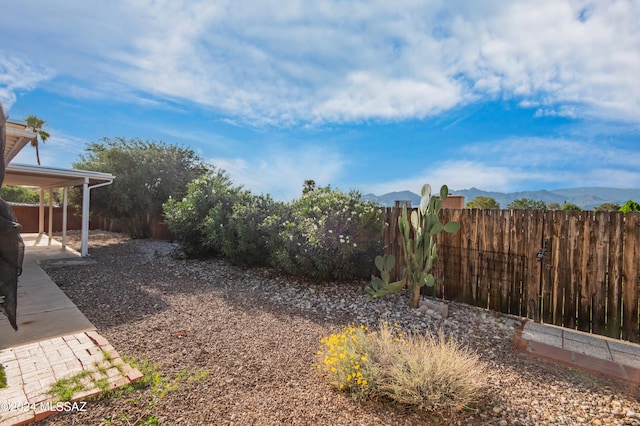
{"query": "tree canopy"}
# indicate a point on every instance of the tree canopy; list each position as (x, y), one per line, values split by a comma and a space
(527, 203)
(608, 207)
(570, 206)
(20, 194)
(630, 206)
(483, 202)
(147, 174)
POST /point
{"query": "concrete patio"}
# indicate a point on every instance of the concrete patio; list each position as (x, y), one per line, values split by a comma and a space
(54, 341)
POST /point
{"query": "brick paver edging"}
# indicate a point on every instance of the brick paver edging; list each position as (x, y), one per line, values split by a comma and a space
(32, 369)
(589, 364)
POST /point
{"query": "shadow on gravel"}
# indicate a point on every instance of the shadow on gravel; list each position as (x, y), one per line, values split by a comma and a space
(125, 286)
(108, 292)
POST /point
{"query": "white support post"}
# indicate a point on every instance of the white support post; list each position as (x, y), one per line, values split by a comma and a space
(64, 217)
(50, 215)
(41, 213)
(84, 249)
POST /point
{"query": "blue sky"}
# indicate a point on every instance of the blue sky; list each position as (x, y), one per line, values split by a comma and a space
(370, 95)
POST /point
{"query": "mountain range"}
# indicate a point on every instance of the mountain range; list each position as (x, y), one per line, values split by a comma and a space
(588, 197)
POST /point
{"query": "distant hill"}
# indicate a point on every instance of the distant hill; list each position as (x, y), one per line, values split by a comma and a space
(588, 197)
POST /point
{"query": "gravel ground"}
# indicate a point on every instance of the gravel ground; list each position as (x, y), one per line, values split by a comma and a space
(249, 338)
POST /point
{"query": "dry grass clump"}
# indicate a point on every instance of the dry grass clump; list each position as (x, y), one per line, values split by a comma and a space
(431, 374)
(420, 370)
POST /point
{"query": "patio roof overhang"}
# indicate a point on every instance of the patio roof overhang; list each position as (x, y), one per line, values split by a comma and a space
(49, 178)
(52, 177)
(17, 136)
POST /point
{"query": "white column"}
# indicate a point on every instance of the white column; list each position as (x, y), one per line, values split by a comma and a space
(41, 213)
(64, 217)
(84, 249)
(50, 215)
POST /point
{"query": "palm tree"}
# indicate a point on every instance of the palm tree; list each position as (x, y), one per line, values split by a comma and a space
(35, 125)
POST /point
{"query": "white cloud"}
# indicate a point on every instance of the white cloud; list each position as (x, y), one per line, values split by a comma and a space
(267, 63)
(15, 75)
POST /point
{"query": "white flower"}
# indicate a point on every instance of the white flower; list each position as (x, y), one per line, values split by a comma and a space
(355, 245)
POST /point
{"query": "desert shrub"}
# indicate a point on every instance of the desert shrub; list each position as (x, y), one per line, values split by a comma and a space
(329, 234)
(251, 230)
(421, 371)
(198, 220)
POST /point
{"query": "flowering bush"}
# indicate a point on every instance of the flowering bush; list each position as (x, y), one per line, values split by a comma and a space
(432, 374)
(330, 235)
(344, 357)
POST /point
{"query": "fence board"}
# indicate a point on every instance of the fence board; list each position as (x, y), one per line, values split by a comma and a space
(485, 231)
(546, 285)
(506, 273)
(494, 259)
(583, 298)
(599, 290)
(631, 277)
(466, 267)
(575, 221)
(517, 247)
(614, 275)
(535, 254)
(449, 258)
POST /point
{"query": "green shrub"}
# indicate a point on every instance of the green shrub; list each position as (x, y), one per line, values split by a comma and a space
(570, 206)
(328, 235)
(249, 233)
(197, 220)
(20, 194)
(630, 206)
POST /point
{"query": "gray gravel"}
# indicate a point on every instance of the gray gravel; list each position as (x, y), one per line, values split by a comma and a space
(256, 333)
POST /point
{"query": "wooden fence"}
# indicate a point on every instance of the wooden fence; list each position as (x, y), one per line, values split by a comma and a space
(579, 270)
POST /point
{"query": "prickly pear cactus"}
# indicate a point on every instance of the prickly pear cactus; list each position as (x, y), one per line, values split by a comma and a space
(420, 252)
(380, 286)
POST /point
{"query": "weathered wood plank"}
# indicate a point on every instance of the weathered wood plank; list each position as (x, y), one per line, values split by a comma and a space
(484, 246)
(614, 275)
(546, 286)
(580, 254)
(516, 266)
(599, 280)
(496, 260)
(573, 241)
(451, 265)
(534, 251)
(467, 261)
(631, 277)
(559, 264)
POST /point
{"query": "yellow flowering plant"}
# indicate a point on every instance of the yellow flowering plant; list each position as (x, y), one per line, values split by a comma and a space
(344, 358)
